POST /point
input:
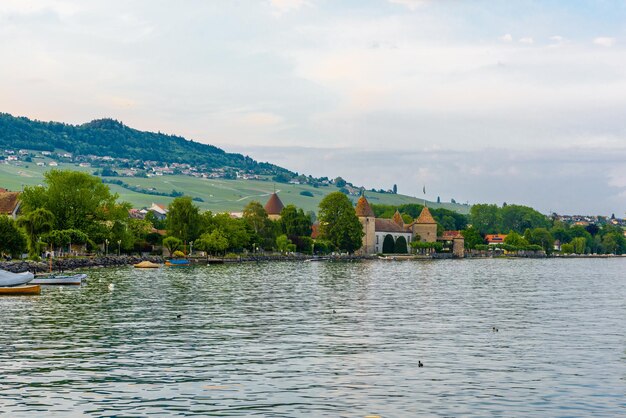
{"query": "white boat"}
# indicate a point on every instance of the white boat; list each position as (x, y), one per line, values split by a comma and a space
(75, 279)
(8, 279)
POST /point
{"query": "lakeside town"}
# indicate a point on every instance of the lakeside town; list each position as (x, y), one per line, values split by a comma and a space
(50, 220)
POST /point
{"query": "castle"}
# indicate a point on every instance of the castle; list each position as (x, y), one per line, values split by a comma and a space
(393, 235)
(390, 236)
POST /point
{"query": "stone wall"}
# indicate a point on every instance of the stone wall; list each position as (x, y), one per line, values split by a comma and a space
(62, 264)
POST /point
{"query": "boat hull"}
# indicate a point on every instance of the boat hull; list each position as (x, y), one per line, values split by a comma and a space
(34, 289)
(8, 279)
(75, 279)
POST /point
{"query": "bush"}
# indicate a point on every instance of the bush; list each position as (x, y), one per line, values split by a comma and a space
(306, 193)
(178, 254)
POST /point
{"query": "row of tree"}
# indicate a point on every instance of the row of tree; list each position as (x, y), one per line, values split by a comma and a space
(77, 208)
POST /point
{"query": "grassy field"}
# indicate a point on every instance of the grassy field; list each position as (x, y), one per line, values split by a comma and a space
(218, 195)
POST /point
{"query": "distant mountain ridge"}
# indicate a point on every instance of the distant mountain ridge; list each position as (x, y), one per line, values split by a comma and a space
(109, 137)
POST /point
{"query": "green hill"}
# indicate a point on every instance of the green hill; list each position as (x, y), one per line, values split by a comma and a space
(126, 149)
(107, 137)
(217, 194)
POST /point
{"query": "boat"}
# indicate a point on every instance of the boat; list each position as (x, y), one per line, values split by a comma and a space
(74, 279)
(34, 289)
(8, 278)
(147, 265)
(177, 262)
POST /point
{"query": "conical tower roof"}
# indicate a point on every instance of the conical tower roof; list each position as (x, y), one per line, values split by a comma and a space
(363, 208)
(274, 206)
(397, 218)
(425, 217)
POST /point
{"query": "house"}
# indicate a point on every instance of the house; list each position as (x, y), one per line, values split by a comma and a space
(9, 203)
(159, 211)
(495, 239)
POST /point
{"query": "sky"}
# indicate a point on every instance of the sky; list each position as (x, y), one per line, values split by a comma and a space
(480, 101)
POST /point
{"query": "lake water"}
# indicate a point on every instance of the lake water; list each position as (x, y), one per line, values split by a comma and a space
(324, 339)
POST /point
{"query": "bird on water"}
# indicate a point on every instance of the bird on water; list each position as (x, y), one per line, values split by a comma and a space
(419, 363)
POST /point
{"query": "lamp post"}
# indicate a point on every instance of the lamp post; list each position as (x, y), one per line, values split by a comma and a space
(106, 247)
(119, 247)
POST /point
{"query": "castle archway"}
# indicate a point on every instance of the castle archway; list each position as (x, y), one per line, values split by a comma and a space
(389, 245)
(401, 247)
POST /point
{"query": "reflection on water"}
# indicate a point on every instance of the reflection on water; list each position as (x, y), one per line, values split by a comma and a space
(324, 339)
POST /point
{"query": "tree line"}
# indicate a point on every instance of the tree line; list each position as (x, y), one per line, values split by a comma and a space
(77, 208)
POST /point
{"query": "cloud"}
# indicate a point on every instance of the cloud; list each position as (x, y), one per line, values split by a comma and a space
(526, 40)
(281, 7)
(410, 4)
(262, 119)
(506, 38)
(604, 41)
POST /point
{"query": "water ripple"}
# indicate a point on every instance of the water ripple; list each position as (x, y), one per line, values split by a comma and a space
(323, 339)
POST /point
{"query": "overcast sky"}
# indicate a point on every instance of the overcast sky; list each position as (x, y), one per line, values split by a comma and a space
(481, 101)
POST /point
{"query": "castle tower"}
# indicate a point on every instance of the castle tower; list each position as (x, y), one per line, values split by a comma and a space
(425, 226)
(367, 218)
(397, 218)
(274, 207)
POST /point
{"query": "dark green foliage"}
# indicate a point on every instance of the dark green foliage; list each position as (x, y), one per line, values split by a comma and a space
(183, 219)
(339, 223)
(401, 246)
(12, 240)
(473, 239)
(138, 189)
(339, 182)
(107, 137)
(294, 222)
(389, 246)
(306, 193)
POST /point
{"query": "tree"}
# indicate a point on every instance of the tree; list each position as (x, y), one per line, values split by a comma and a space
(516, 240)
(395, 189)
(389, 246)
(519, 218)
(567, 248)
(214, 242)
(401, 246)
(579, 244)
(283, 243)
(12, 240)
(339, 223)
(254, 213)
(183, 219)
(35, 224)
(339, 182)
(77, 200)
(472, 238)
(485, 218)
(294, 222)
(541, 237)
(235, 230)
(172, 244)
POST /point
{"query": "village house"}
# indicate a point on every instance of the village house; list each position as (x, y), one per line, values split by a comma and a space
(495, 239)
(9, 203)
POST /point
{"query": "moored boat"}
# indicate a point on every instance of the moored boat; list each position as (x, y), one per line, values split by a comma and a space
(14, 279)
(147, 265)
(177, 262)
(62, 279)
(34, 289)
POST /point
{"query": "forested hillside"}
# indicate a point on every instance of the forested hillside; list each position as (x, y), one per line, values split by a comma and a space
(107, 137)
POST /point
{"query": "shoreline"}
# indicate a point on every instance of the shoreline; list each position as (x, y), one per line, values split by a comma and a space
(69, 264)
